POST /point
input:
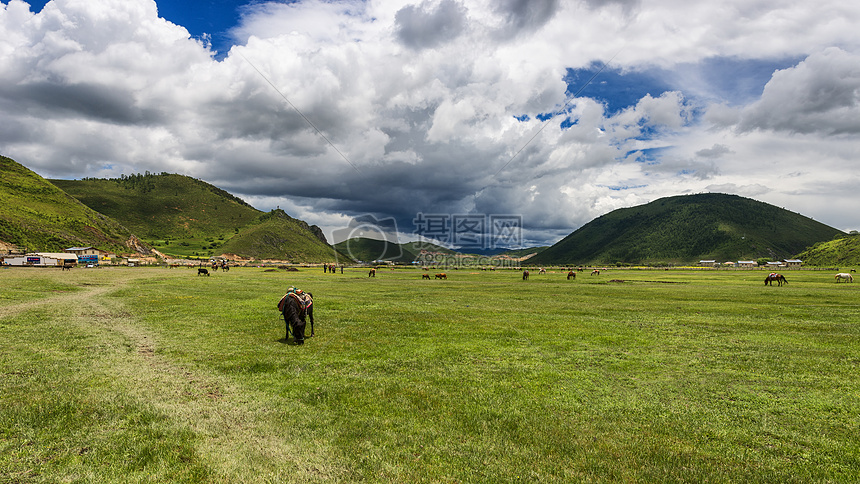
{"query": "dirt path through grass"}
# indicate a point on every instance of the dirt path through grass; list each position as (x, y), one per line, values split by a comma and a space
(234, 434)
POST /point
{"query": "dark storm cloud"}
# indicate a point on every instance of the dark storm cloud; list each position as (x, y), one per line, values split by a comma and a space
(89, 101)
(420, 27)
(716, 151)
(525, 15)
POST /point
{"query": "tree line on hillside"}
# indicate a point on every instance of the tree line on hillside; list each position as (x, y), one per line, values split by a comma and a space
(147, 182)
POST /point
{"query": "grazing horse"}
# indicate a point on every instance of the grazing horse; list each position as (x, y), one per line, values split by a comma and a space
(442, 275)
(372, 272)
(525, 275)
(571, 275)
(202, 271)
(542, 271)
(773, 276)
(844, 276)
(294, 306)
(425, 276)
(595, 272)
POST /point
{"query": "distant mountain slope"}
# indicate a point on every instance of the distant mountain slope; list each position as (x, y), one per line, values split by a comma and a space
(35, 215)
(841, 251)
(518, 253)
(687, 229)
(163, 206)
(184, 216)
(276, 235)
(368, 250)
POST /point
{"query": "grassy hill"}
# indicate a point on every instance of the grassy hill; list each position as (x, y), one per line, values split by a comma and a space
(186, 217)
(163, 206)
(35, 215)
(689, 228)
(276, 235)
(841, 251)
(517, 253)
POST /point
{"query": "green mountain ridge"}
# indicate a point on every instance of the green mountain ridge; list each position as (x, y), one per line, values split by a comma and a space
(276, 235)
(186, 217)
(163, 206)
(178, 215)
(841, 251)
(36, 215)
(689, 228)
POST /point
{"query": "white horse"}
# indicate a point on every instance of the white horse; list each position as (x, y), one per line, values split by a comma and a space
(844, 276)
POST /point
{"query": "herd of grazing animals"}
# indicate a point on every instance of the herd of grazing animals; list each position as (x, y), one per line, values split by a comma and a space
(571, 274)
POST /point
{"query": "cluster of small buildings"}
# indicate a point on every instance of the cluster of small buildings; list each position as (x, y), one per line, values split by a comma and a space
(751, 264)
(89, 256)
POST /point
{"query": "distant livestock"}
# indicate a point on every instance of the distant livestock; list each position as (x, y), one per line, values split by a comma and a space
(372, 273)
(202, 271)
(774, 277)
(525, 275)
(425, 276)
(844, 276)
(595, 272)
(571, 275)
(441, 275)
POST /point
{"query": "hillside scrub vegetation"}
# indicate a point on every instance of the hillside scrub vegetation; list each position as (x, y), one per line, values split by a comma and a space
(844, 250)
(187, 217)
(689, 228)
(38, 216)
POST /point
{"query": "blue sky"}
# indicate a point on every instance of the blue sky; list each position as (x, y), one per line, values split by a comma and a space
(339, 109)
(212, 18)
(200, 17)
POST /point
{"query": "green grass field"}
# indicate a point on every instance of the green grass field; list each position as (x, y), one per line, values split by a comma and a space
(160, 375)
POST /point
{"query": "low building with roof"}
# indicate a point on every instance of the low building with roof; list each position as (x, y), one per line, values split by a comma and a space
(43, 259)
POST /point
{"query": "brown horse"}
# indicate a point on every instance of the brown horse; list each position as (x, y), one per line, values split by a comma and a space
(773, 276)
(372, 272)
(571, 275)
(294, 306)
(425, 276)
(441, 275)
(525, 275)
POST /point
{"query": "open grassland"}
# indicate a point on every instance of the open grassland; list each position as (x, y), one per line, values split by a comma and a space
(160, 375)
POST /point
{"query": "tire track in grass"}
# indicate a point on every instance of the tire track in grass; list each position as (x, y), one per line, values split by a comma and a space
(236, 432)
